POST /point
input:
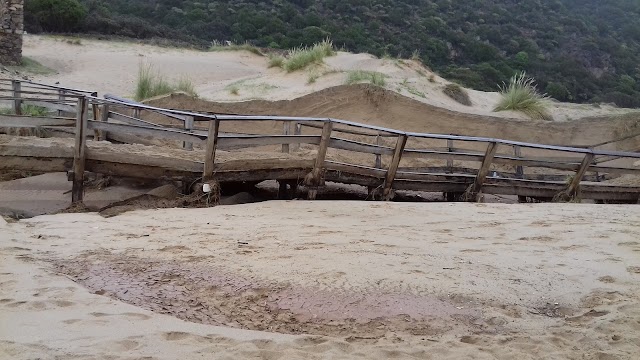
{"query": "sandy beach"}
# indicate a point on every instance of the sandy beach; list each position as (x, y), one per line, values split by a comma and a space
(297, 279)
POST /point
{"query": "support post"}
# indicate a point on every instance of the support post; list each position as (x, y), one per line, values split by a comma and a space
(483, 171)
(378, 164)
(17, 103)
(212, 144)
(285, 131)
(297, 130)
(188, 126)
(314, 179)
(79, 153)
(393, 167)
(136, 113)
(572, 189)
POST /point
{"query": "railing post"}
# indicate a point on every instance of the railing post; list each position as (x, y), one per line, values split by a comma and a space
(314, 179)
(378, 164)
(62, 99)
(297, 130)
(483, 171)
(285, 131)
(393, 167)
(572, 189)
(79, 153)
(517, 152)
(188, 125)
(450, 149)
(101, 135)
(210, 154)
(17, 103)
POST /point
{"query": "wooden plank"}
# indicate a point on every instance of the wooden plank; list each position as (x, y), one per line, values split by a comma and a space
(188, 127)
(297, 130)
(349, 131)
(160, 133)
(484, 169)
(79, 151)
(355, 169)
(430, 154)
(36, 164)
(577, 178)
(393, 167)
(131, 120)
(430, 186)
(54, 106)
(244, 141)
(614, 170)
(286, 128)
(31, 121)
(210, 152)
(356, 146)
(314, 179)
(17, 103)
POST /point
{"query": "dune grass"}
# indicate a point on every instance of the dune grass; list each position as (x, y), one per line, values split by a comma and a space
(27, 110)
(359, 76)
(150, 83)
(457, 93)
(276, 61)
(521, 94)
(217, 46)
(31, 66)
(300, 58)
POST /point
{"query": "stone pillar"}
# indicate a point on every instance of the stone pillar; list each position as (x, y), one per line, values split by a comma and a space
(11, 29)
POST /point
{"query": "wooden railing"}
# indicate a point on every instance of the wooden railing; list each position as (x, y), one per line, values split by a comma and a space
(101, 118)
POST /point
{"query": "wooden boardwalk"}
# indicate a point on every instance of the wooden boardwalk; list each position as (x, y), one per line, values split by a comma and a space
(303, 151)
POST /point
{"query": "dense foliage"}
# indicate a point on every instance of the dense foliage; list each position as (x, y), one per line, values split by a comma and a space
(578, 50)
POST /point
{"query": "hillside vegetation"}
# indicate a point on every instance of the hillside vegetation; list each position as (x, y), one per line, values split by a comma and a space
(577, 50)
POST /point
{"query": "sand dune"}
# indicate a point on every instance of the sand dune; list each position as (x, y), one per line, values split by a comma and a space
(111, 67)
(367, 280)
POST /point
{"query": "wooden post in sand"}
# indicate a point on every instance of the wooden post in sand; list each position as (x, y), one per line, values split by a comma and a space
(314, 179)
(393, 167)
(517, 152)
(450, 149)
(286, 128)
(188, 126)
(17, 103)
(62, 98)
(210, 154)
(79, 151)
(483, 171)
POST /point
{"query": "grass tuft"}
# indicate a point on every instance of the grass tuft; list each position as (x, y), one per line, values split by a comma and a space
(457, 93)
(27, 110)
(300, 58)
(151, 83)
(276, 61)
(31, 66)
(217, 46)
(373, 77)
(521, 94)
(234, 89)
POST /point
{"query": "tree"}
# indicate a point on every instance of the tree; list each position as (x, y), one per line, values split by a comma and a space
(55, 15)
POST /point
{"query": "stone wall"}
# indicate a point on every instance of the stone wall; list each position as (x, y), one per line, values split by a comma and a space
(11, 29)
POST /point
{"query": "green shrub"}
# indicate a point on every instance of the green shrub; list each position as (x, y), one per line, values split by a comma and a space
(150, 83)
(28, 110)
(300, 58)
(54, 15)
(373, 77)
(522, 95)
(457, 93)
(234, 89)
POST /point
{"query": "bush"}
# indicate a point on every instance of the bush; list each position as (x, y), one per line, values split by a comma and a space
(373, 77)
(54, 15)
(151, 83)
(299, 58)
(457, 93)
(522, 95)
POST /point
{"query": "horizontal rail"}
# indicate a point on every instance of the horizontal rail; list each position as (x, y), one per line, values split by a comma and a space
(31, 121)
(166, 134)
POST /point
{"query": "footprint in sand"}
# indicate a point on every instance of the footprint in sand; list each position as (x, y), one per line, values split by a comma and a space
(607, 279)
(633, 269)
